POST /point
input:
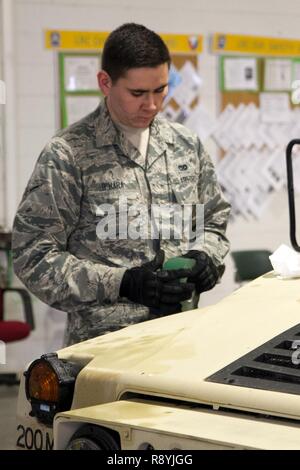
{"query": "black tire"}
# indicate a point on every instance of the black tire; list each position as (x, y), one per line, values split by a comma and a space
(90, 437)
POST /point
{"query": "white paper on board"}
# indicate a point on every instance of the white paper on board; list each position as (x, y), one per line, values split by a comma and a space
(275, 107)
(240, 73)
(185, 93)
(222, 133)
(278, 74)
(79, 106)
(274, 169)
(201, 122)
(81, 73)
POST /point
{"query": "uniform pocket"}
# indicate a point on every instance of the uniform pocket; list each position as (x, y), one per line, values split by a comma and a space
(119, 215)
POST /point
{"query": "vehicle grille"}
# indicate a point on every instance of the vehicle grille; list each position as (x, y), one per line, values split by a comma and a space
(273, 366)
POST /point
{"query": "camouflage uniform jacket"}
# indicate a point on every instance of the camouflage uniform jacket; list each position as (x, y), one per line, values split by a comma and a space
(57, 253)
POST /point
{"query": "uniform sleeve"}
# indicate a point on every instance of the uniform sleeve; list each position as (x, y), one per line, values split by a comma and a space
(47, 215)
(216, 211)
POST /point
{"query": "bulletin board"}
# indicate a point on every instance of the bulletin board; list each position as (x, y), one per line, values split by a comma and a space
(78, 90)
(79, 94)
(259, 97)
(236, 96)
(278, 55)
(273, 75)
(79, 60)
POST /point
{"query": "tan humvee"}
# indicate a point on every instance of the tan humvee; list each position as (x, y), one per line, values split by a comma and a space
(221, 377)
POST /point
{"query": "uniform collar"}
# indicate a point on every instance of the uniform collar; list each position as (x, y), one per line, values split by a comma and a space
(108, 134)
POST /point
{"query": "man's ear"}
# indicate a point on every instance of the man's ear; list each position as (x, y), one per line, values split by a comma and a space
(104, 82)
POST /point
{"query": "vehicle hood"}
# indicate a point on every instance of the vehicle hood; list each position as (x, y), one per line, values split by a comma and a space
(173, 357)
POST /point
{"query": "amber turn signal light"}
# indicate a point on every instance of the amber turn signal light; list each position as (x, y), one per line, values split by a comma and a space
(50, 385)
(43, 383)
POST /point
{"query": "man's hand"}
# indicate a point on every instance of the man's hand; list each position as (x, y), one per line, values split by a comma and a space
(204, 274)
(161, 291)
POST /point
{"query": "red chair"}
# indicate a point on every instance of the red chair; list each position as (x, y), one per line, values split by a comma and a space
(13, 330)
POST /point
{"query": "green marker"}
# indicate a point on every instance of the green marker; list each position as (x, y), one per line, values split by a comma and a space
(182, 263)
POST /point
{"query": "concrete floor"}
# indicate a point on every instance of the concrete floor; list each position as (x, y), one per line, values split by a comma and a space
(8, 411)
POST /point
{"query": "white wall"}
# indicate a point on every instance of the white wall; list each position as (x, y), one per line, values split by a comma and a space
(36, 78)
(35, 66)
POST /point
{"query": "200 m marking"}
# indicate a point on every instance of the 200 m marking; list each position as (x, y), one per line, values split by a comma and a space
(33, 439)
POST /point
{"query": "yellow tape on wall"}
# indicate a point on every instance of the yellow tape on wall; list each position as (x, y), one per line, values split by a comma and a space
(88, 40)
(257, 45)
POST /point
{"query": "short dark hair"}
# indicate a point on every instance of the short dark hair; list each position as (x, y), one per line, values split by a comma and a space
(130, 46)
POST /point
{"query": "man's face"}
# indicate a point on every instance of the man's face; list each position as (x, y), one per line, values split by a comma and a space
(135, 99)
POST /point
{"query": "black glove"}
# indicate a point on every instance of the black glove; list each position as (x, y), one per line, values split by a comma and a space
(161, 291)
(204, 274)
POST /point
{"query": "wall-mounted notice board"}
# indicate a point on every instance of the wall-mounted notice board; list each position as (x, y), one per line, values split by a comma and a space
(79, 59)
(259, 85)
(250, 65)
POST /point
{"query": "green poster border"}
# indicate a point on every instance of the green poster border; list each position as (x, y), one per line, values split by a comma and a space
(294, 62)
(63, 94)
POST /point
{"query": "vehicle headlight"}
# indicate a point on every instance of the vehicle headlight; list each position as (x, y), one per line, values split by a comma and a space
(50, 385)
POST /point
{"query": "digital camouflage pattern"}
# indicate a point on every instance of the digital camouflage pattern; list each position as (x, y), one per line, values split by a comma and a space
(57, 253)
